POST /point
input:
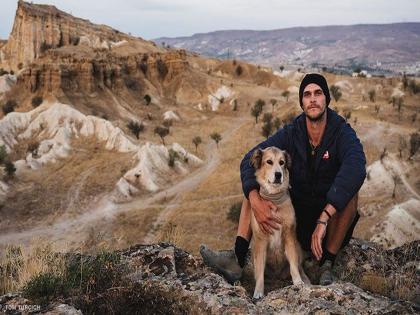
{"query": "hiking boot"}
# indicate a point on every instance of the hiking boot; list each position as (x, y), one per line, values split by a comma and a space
(224, 262)
(326, 277)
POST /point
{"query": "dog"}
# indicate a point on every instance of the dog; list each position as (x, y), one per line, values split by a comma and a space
(272, 167)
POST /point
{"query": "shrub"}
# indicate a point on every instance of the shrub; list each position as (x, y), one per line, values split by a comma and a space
(162, 132)
(147, 99)
(234, 212)
(239, 70)
(173, 156)
(9, 106)
(161, 68)
(10, 168)
(414, 143)
(3, 154)
(36, 101)
(336, 93)
(216, 138)
(196, 140)
(267, 129)
(286, 94)
(44, 287)
(132, 84)
(135, 127)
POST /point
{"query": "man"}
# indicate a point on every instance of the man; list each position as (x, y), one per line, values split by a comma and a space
(328, 169)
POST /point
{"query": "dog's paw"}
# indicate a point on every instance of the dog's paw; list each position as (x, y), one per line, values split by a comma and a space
(258, 296)
(298, 283)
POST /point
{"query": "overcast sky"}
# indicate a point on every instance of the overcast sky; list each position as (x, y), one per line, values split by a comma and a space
(172, 18)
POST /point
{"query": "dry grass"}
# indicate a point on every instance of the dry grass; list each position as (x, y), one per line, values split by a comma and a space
(18, 264)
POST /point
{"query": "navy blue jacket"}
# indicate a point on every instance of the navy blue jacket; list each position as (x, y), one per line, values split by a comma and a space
(337, 178)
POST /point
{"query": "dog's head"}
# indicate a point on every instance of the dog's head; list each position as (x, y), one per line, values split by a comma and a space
(272, 167)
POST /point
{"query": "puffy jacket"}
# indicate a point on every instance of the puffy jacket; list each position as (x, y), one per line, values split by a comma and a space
(340, 165)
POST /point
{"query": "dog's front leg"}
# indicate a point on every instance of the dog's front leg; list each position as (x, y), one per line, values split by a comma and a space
(259, 255)
(292, 254)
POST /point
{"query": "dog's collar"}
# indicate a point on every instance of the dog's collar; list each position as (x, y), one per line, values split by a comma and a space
(275, 198)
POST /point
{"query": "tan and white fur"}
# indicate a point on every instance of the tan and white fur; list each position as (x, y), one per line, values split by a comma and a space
(272, 172)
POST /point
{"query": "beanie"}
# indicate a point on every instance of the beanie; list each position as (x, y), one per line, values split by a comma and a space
(317, 79)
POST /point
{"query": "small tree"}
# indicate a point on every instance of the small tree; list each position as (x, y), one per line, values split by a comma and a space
(276, 123)
(3, 154)
(173, 156)
(414, 144)
(256, 112)
(135, 127)
(9, 106)
(147, 99)
(162, 132)
(372, 95)
(402, 145)
(335, 91)
(260, 103)
(196, 140)
(239, 70)
(281, 68)
(216, 137)
(286, 94)
(267, 129)
(36, 101)
(10, 168)
(273, 103)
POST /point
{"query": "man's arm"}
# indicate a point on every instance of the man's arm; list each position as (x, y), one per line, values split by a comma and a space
(249, 182)
(352, 171)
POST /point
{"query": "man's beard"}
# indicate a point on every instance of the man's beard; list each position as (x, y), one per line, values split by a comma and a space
(317, 117)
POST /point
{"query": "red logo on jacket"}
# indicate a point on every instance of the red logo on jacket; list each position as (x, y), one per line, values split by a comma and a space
(326, 156)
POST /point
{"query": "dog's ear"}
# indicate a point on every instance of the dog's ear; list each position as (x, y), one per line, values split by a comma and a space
(288, 160)
(256, 158)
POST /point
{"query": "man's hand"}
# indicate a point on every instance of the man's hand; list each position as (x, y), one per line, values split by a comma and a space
(262, 210)
(317, 237)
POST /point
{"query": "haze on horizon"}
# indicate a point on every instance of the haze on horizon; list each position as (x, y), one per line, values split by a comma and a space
(174, 18)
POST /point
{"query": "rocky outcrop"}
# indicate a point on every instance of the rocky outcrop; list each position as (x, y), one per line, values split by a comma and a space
(39, 27)
(163, 279)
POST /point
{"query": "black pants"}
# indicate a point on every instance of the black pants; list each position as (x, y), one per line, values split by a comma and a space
(305, 229)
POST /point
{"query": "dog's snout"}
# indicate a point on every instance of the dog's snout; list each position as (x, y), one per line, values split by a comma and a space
(277, 177)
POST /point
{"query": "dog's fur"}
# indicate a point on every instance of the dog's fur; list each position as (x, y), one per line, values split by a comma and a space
(272, 172)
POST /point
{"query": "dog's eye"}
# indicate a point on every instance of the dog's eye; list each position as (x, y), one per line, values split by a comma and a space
(281, 162)
(270, 162)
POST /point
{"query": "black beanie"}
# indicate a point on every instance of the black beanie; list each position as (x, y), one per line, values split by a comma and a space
(317, 79)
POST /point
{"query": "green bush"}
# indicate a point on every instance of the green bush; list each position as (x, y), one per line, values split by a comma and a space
(234, 212)
(9, 106)
(36, 101)
(44, 287)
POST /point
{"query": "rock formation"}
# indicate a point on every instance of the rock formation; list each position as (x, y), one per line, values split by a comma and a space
(163, 279)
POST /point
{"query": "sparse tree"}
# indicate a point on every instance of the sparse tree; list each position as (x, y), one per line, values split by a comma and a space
(173, 156)
(216, 137)
(402, 145)
(9, 106)
(383, 154)
(197, 141)
(10, 168)
(372, 95)
(414, 144)
(135, 127)
(162, 132)
(276, 123)
(273, 102)
(147, 99)
(256, 112)
(286, 94)
(36, 101)
(3, 154)
(239, 70)
(335, 91)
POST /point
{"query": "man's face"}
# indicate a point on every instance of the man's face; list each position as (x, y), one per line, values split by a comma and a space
(314, 103)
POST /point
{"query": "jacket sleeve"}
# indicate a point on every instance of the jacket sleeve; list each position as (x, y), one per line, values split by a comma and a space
(249, 182)
(352, 172)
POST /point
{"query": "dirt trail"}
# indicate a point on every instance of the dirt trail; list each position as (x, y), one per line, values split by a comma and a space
(72, 229)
